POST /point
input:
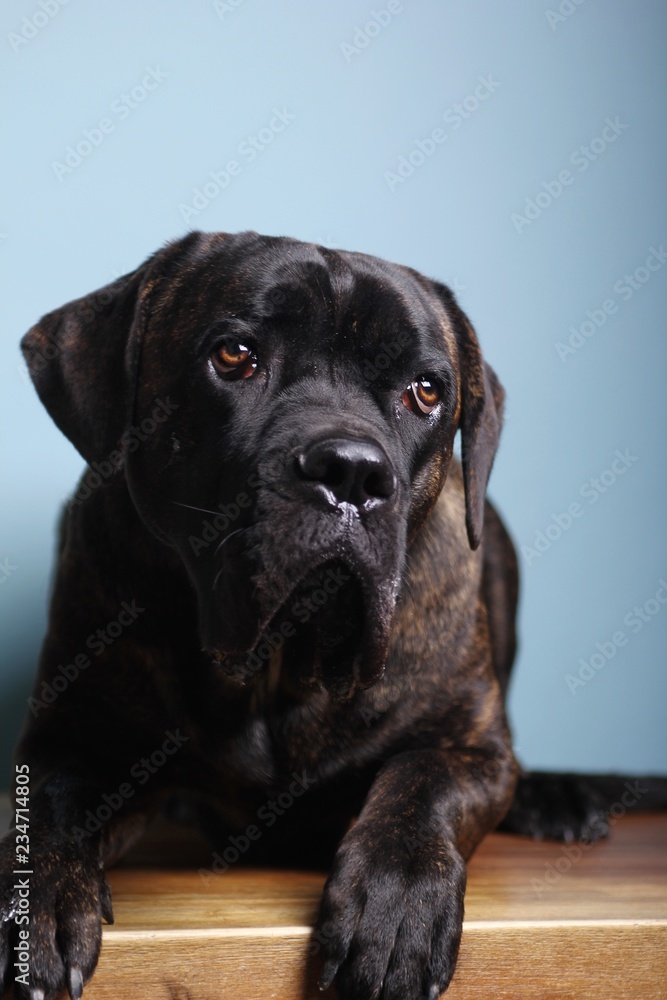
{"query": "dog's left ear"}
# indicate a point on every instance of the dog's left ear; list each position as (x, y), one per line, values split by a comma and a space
(482, 401)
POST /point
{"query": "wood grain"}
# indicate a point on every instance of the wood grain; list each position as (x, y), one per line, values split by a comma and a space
(543, 920)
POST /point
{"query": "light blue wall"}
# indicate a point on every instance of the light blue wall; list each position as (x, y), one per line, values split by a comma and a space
(552, 81)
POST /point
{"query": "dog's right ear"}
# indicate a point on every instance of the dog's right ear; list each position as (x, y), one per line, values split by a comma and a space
(83, 357)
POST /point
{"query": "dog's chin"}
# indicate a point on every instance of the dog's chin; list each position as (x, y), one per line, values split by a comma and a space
(332, 630)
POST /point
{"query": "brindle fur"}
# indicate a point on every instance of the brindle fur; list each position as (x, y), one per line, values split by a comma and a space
(411, 737)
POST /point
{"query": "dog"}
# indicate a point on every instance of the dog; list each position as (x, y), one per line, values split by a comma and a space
(274, 578)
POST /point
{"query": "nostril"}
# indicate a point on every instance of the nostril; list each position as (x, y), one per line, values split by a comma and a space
(334, 474)
(380, 483)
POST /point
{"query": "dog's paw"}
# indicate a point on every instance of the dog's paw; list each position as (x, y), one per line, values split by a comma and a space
(390, 921)
(558, 807)
(60, 905)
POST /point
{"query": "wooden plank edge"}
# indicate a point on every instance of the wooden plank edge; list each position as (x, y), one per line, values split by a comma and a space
(575, 961)
(111, 934)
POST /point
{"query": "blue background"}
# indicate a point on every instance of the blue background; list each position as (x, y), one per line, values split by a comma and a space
(555, 79)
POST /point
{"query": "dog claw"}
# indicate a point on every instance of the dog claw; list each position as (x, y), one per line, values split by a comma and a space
(328, 975)
(105, 902)
(434, 992)
(36, 993)
(75, 983)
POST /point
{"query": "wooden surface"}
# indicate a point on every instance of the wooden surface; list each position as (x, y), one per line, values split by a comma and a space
(539, 924)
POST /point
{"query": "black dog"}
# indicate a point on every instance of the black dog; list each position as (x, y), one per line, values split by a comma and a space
(271, 577)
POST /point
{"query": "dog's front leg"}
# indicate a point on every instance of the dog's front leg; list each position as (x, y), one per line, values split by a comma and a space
(53, 891)
(392, 911)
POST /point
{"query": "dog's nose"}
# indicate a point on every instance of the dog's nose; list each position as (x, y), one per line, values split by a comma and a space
(347, 470)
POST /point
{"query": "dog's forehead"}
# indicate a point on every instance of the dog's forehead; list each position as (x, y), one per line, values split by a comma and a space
(333, 292)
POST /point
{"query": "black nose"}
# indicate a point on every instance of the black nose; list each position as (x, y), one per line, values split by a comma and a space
(346, 470)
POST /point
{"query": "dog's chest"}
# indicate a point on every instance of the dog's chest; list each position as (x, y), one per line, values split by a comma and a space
(262, 746)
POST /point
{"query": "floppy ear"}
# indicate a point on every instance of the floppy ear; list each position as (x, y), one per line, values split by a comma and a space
(82, 359)
(482, 400)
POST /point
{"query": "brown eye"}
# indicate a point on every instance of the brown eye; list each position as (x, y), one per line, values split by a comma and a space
(421, 396)
(234, 360)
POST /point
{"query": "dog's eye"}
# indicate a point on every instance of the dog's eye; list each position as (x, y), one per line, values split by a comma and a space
(234, 360)
(421, 396)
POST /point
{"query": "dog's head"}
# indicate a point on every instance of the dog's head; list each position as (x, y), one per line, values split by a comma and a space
(284, 415)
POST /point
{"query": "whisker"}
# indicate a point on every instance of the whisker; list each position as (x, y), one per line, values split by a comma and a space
(190, 507)
(231, 534)
(237, 531)
(408, 587)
